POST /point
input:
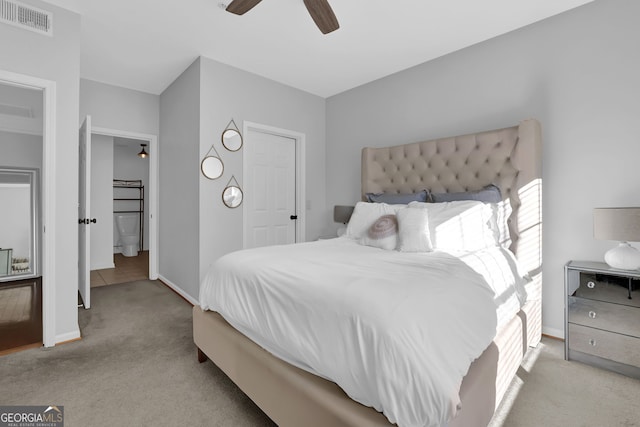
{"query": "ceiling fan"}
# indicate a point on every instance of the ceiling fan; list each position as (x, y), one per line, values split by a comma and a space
(320, 11)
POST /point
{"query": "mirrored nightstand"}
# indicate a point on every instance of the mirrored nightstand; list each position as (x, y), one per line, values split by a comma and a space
(602, 316)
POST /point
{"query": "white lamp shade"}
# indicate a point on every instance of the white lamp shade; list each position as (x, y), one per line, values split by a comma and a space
(623, 225)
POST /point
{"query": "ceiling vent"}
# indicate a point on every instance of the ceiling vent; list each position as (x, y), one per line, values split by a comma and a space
(27, 17)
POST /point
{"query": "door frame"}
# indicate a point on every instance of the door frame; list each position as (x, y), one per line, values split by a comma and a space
(300, 166)
(152, 140)
(48, 206)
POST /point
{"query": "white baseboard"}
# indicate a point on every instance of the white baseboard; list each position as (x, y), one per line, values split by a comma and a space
(178, 290)
(553, 332)
(69, 336)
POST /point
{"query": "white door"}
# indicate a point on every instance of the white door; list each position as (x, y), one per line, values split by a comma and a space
(84, 213)
(271, 195)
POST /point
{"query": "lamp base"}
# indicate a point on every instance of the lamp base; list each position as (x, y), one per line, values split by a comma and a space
(623, 257)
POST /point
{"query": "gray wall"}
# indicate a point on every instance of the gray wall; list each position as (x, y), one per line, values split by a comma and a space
(227, 92)
(56, 58)
(195, 227)
(28, 97)
(20, 149)
(118, 108)
(179, 171)
(576, 72)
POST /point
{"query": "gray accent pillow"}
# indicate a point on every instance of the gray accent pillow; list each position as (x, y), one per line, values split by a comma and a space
(398, 199)
(489, 194)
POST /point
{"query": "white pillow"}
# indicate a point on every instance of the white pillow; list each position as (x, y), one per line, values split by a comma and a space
(413, 230)
(365, 214)
(383, 233)
(460, 226)
(502, 211)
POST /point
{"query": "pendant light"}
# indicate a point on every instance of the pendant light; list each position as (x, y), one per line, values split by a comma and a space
(143, 154)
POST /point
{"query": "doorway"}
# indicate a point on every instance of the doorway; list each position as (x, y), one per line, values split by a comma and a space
(274, 171)
(120, 184)
(36, 119)
(124, 184)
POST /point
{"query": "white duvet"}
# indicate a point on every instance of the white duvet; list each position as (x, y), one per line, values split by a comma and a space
(396, 331)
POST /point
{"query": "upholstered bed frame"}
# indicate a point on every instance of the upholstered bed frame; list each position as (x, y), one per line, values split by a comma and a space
(509, 158)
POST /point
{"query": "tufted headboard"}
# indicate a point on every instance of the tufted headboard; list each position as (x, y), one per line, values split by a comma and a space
(510, 158)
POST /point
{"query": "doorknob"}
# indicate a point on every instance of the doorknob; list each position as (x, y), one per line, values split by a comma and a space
(293, 217)
(87, 221)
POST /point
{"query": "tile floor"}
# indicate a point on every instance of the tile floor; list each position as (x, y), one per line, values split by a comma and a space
(127, 269)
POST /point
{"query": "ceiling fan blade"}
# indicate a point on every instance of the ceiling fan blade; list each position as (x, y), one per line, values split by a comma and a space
(322, 15)
(240, 7)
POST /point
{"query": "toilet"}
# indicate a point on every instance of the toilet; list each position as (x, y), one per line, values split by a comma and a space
(127, 225)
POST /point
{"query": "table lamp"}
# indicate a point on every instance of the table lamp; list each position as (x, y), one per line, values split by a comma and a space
(623, 225)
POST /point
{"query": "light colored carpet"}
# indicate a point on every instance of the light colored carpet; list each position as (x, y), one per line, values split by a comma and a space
(549, 391)
(137, 366)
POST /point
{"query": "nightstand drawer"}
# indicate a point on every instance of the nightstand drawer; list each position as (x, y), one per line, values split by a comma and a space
(608, 345)
(605, 291)
(603, 315)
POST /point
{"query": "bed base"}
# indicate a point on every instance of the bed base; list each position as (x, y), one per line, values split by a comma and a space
(293, 397)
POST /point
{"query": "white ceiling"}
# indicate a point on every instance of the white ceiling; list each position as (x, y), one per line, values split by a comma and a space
(146, 44)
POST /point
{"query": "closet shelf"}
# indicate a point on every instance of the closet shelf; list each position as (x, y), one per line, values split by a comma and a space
(127, 183)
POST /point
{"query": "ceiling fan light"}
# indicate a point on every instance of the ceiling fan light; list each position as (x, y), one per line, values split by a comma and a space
(143, 153)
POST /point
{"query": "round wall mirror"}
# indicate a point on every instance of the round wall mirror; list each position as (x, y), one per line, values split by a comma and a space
(232, 196)
(231, 139)
(212, 167)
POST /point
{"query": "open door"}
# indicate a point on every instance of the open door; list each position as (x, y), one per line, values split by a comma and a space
(84, 213)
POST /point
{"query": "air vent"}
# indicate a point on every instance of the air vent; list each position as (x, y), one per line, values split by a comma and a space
(27, 17)
(15, 110)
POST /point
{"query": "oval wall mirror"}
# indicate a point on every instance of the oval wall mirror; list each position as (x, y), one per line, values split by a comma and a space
(212, 167)
(231, 139)
(232, 196)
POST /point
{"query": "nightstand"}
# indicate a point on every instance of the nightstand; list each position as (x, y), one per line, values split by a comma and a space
(602, 316)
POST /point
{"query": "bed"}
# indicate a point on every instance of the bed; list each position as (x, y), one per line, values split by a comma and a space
(508, 158)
